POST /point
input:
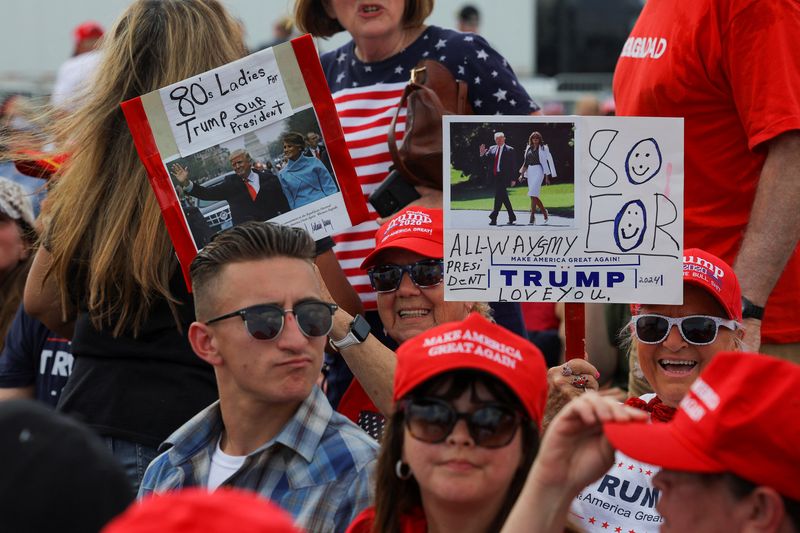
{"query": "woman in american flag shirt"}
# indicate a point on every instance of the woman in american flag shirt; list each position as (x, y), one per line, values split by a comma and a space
(367, 77)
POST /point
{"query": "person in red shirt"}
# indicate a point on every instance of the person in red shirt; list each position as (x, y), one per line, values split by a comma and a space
(731, 68)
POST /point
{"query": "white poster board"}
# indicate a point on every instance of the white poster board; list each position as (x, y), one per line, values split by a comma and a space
(226, 102)
(613, 191)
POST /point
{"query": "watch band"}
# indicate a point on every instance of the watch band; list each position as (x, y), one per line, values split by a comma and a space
(359, 331)
(751, 310)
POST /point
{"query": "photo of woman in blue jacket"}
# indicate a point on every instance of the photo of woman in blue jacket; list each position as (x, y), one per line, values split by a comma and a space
(304, 179)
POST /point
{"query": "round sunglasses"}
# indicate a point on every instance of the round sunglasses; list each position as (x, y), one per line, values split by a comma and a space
(699, 330)
(425, 274)
(431, 420)
(265, 321)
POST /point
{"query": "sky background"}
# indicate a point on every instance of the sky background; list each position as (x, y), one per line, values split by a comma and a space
(37, 34)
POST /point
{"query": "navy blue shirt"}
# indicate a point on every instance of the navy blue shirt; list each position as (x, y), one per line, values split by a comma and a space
(35, 355)
(493, 87)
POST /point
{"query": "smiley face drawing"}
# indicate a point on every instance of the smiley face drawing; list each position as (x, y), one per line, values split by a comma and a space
(643, 161)
(630, 225)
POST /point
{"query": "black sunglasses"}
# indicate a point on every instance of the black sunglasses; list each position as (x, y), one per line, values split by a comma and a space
(432, 420)
(425, 274)
(265, 321)
(699, 330)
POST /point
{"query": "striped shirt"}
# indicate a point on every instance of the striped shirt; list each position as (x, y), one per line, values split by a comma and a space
(366, 96)
(318, 468)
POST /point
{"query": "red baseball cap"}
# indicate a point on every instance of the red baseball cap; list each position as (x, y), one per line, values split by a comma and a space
(39, 164)
(416, 229)
(475, 343)
(713, 275)
(195, 510)
(87, 30)
(741, 415)
(716, 277)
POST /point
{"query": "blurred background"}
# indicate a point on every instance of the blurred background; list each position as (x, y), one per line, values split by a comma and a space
(563, 50)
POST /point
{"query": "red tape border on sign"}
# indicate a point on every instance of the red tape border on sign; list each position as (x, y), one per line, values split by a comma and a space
(162, 185)
(314, 77)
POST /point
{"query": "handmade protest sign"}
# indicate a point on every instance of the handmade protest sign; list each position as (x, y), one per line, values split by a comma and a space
(564, 209)
(208, 109)
(256, 139)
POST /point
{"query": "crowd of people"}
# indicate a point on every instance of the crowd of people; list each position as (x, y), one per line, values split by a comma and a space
(328, 386)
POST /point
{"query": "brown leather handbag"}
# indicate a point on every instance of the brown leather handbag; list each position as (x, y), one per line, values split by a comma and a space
(431, 93)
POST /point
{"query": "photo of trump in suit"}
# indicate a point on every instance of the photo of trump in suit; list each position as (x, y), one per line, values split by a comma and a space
(502, 164)
(252, 194)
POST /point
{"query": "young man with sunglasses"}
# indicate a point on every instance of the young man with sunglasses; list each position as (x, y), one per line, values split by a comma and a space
(262, 324)
(674, 344)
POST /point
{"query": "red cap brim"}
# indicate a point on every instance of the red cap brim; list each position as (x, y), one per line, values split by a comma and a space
(660, 445)
(39, 164)
(424, 247)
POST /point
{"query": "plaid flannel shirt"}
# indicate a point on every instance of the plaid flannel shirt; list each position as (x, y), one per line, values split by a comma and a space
(319, 467)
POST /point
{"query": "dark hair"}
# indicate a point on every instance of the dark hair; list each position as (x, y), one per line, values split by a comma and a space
(741, 487)
(395, 497)
(311, 17)
(295, 139)
(535, 134)
(250, 241)
(469, 13)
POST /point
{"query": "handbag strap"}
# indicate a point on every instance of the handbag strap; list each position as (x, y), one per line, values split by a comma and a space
(391, 138)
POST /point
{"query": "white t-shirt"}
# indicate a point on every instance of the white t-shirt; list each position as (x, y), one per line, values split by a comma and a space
(223, 466)
(623, 500)
(72, 81)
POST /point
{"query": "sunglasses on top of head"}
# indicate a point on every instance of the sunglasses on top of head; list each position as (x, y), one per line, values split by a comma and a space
(699, 330)
(431, 420)
(425, 274)
(265, 321)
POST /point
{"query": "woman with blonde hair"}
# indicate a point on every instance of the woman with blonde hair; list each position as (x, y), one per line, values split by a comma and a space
(106, 275)
(674, 343)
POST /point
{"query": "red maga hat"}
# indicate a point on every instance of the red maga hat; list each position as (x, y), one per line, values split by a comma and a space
(196, 510)
(714, 276)
(475, 343)
(416, 229)
(39, 164)
(87, 30)
(741, 415)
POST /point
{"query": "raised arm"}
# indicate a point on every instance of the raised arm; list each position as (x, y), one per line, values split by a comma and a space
(573, 453)
(371, 362)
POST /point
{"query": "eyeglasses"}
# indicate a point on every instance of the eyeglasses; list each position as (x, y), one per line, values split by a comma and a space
(425, 274)
(432, 420)
(265, 321)
(699, 330)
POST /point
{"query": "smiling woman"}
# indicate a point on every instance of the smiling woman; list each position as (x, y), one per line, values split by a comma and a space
(465, 431)
(674, 344)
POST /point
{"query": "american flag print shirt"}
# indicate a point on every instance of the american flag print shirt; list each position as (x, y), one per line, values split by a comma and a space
(366, 96)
